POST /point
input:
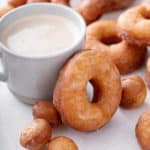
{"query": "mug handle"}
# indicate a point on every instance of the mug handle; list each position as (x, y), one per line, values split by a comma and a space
(2, 73)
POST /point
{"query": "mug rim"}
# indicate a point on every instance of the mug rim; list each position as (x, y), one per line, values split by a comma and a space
(52, 6)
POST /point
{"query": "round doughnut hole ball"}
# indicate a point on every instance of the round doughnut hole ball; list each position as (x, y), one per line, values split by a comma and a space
(36, 134)
(62, 143)
(134, 92)
(47, 111)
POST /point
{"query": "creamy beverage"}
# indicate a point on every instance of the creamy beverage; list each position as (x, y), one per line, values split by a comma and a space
(40, 35)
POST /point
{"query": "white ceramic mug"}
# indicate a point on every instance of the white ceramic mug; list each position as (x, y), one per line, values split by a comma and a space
(34, 78)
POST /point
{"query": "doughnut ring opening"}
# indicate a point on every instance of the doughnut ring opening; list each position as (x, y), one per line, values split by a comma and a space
(134, 24)
(102, 35)
(70, 96)
(62, 143)
(143, 130)
(133, 92)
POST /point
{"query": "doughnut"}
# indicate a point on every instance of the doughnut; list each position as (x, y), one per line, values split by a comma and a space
(47, 111)
(5, 9)
(62, 143)
(36, 134)
(17, 3)
(147, 74)
(91, 10)
(102, 35)
(143, 130)
(117, 4)
(70, 96)
(133, 92)
(134, 24)
(34, 1)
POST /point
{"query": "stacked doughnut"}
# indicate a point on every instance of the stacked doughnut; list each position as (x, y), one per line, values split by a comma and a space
(91, 10)
(125, 40)
(103, 35)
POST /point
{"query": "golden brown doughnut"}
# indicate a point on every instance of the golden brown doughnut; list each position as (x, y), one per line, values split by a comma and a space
(36, 135)
(143, 130)
(5, 9)
(70, 96)
(102, 35)
(62, 143)
(133, 92)
(91, 10)
(47, 111)
(147, 74)
(134, 25)
(34, 1)
(16, 3)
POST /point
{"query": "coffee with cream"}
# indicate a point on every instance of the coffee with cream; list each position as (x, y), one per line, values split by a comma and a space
(40, 35)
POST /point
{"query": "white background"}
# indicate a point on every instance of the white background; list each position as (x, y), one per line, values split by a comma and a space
(118, 134)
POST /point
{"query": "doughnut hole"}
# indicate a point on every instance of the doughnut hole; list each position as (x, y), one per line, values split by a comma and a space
(111, 40)
(93, 91)
(62, 143)
(134, 92)
(36, 135)
(90, 91)
(47, 111)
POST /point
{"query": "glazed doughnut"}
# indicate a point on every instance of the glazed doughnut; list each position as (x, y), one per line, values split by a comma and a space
(5, 9)
(70, 96)
(134, 25)
(102, 35)
(133, 92)
(62, 143)
(47, 111)
(147, 74)
(36, 135)
(16, 3)
(143, 130)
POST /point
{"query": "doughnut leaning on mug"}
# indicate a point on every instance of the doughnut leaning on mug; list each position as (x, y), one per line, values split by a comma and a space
(70, 92)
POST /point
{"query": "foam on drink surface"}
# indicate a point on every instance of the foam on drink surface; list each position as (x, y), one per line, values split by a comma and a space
(40, 35)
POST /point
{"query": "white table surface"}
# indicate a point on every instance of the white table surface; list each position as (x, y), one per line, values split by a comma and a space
(118, 134)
